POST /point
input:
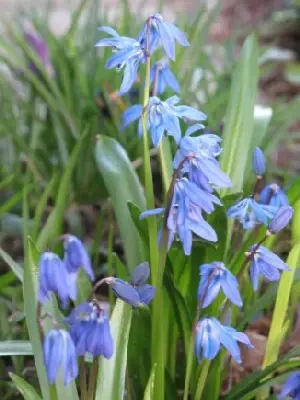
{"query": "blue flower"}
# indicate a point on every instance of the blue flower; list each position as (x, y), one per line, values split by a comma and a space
(198, 155)
(185, 214)
(291, 387)
(281, 219)
(76, 256)
(90, 330)
(138, 293)
(162, 32)
(54, 278)
(129, 56)
(215, 276)
(59, 352)
(258, 162)
(210, 334)
(265, 262)
(274, 196)
(250, 213)
(163, 117)
(163, 77)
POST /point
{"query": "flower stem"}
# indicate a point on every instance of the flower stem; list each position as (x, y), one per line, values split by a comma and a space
(53, 392)
(202, 379)
(93, 378)
(83, 389)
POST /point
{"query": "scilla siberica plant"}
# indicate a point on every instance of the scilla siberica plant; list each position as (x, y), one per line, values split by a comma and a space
(190, 199)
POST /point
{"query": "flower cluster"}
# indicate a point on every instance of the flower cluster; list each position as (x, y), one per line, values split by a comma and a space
(89, 329)
(251, 212)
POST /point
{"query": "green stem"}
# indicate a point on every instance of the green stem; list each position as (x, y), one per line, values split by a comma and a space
(53, 392)
(202, 379)
(83, 391)
(189, 365)
(93, 378)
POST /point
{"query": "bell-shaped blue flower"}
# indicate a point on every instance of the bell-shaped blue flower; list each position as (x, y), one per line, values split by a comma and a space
(281, 219)
(129, 55)
(258, 162)
(60, 353)
(54, 278)
(274, 196)
(291, 387)
(210, 334)
(185, 214)
(90, 330)
(138, 293)
(76, 256)
(216, 276)
(162, 32)
(250, 213)
(162, 76)
(198, 156)
(264, 262)
(163, 117)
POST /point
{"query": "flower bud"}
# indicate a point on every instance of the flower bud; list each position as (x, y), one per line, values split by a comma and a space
(258, 162)
(281, 219)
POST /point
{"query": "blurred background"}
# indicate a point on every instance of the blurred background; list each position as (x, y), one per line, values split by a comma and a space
(55, 91)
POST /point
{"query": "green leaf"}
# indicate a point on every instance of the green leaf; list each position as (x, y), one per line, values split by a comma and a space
(149, 391)
(15, 348)
(27, 390)
(141, 226)
(123, 186)
(239, 120)
(15, 267)
(111, 377)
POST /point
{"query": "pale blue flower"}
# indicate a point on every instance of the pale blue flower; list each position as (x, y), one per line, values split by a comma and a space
(198, 157)
(76, 256)
(59, 352)
(291, 387)
(129, 55)
(216, 276)
(281, 219)
(90, 330)
(185, 214)
(210, 334)
(162, 32)
(258, 162)
(165, 78)
(163, 117)
(54, 278)
(250, 213)
(264, 262)
(274, 196)
(138, 293)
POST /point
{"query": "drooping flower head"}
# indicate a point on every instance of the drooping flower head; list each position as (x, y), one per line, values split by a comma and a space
(76, 256)
(210, 334)
(291, 387)
(216, 276)
(185, 214)
(129, 55)
(137, 293)
(161, 32)
(258, 162)
(274, 196)
(199, 157)
(250, 213)
(281, 219)
(264, 262)
(163, 78)
(60, 353)
(163, 117)
(90, 330)
(54, 278)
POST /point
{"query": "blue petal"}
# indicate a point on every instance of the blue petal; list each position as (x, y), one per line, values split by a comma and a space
(146, 293)
(203, 230)
(131, 114)
(229, 285)
(130, 76)
(190, 113)
(170, 79)
(108, 345)
(179, 36)
(166, 39)
(212, 292)
(281, 219)
(157, 133)
(194, 128)
(258, 162)
(109, 31)
(54, 357)
(148, 213)
(268, 271)
(254, 274)
(230, 344)
(140, 274)
(125, 292)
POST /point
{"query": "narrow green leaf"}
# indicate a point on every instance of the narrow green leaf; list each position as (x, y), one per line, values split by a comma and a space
(27, 390)
(239, 120)
(15, 267)
(111, 377)
(15, 348)
(149, 391)
(123, 186)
